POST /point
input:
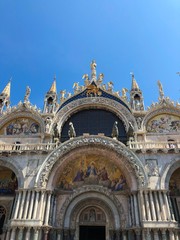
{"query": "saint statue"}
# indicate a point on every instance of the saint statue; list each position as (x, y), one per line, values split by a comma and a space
(161, 92)
(27, 94)
(71, 132)
(93, 70)
(115, 131)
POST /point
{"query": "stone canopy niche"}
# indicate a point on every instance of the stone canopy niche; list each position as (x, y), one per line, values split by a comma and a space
(91, 170)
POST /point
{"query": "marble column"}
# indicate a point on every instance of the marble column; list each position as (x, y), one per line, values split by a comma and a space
(22, 204)
(36, 233)
(138, 234)
(162, 207)
(13, 234)
(31, 205)
(147, 233)
(20, 234)
(168, 213)
(136, 209)
(147, 206)
(157, 206)
(143, 206)
(8, 234)
(26, 205)
(59, 234)
(176, 235)
(124, 235)
(132, 210)
(28, 232)
(153, 212)
(170, 207)
(171, 235)
(16, 206)
(156, 235)
(46, 231)
(36, 205)
(48, 208)
(163, 233)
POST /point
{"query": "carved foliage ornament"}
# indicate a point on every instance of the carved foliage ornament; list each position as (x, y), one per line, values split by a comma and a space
(45, 170)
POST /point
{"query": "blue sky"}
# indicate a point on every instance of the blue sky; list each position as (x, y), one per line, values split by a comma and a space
(41, 38)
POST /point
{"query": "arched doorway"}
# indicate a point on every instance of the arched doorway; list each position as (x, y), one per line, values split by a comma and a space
(174, 189)
(8, 185)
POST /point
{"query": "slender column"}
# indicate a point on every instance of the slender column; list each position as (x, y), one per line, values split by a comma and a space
(156, 236)
(162, 206)
(59, 235)
(163, 232)
(129, 212)
(171, 235)
(46, 231)
(157, 207)
(124, 235)
(41, 204)
(13, 234)
(175, 208)
(147, 206)
(171, 209)
(36, 205)
(26, 205)
(143, 206)
(147, 234)
(176, 235)
(132, 210)
(138, 234)
(31, 205)
(17, 205)
(8, 234)
(48, 208)
(136, 209)
(36, 233)
(27, 237)
(152, 206)
(167, 206)
(54, 211)
(20, 234)
(22, 204)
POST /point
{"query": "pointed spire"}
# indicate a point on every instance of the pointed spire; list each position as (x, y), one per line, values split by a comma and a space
(53, 86)
(7, 89)
(134, 83)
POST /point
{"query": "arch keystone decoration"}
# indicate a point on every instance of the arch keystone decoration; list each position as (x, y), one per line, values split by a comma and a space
(103, 142)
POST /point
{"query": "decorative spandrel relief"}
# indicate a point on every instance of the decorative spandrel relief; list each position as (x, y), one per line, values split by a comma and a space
(32, 167)
(152, 167)
(164, 123)
(22, 126)
(92, 170)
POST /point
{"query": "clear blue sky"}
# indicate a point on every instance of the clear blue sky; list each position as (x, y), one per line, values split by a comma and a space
(40, 38)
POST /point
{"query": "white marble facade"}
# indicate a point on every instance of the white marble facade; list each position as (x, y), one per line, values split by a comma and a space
(58, 188)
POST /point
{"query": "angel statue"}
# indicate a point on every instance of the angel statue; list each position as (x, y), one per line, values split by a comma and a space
(27, 94)
(93, 70)
(100, 79)
(124, 91)
(86, 80)
(115, 131)
(71, 131)
(110, 86)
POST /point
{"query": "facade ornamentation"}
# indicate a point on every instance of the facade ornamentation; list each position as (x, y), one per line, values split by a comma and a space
(115, 182)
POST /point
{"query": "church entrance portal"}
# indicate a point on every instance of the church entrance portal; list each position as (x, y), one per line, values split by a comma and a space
(92, 233)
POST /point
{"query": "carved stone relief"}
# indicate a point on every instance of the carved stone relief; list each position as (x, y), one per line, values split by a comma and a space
(152, 167)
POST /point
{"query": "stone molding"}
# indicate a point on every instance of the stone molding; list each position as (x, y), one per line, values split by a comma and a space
(105, 142)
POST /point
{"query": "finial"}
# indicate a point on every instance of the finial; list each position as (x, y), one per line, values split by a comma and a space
(161, 92)
(132, 74)
(7, 89)
(93, 70)
(134, 83)
(53, 86)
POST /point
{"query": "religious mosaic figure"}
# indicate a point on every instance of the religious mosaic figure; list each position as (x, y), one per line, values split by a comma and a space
(115, 131)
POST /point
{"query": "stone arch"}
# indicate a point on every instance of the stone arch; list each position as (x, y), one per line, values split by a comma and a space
(15, 167)
(96, 193)
(160, 110)
(125, 156)
(167, 173)
(23, 111)
(107, 104)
